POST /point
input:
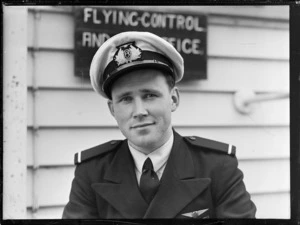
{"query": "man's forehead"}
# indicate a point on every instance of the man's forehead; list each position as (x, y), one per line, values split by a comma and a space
(141, 77)
(139, 84)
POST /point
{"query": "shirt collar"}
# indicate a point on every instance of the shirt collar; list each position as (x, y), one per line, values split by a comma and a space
(158, 157)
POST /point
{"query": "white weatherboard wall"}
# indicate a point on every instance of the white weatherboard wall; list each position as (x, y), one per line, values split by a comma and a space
(14, 112)
(248, 48)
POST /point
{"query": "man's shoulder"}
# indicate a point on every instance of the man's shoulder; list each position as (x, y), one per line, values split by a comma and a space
(211, 145)
(95, 151)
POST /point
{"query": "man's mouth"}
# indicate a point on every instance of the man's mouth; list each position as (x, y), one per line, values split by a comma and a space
(141, 125)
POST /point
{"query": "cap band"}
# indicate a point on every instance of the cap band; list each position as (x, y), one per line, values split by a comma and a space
(147, 59)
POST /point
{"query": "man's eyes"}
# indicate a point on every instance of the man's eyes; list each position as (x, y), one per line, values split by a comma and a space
(150, 96)
(126, 99)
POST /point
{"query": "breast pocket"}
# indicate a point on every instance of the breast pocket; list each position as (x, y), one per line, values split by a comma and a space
(201, 207)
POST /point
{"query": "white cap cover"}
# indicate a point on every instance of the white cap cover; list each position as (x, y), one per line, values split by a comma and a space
(132, 50)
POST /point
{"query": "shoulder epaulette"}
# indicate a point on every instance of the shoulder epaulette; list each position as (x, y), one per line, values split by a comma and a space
(95, 151)
(211, 144)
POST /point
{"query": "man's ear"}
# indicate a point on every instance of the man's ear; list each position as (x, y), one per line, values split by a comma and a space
(175, 98)
(111, 107)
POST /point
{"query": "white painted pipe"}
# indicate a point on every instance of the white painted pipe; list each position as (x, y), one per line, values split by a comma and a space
(266, 97)
(244, 99)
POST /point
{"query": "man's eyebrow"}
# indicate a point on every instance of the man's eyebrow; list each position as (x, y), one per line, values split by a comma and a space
(146, 90)
(150, 90)
(123, 94)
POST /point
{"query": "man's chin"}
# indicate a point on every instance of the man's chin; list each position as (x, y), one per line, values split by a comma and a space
(147, 145)
(143, 131)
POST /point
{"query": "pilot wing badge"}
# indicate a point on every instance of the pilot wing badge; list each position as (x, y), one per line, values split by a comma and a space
(127, 53)
(197, 214)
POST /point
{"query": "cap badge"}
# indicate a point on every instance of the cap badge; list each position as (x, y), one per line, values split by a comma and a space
(127, 53)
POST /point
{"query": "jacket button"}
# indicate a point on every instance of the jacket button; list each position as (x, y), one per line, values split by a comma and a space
(192, 138)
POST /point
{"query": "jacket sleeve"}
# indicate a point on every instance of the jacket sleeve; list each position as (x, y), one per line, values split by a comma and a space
(82, 200)
(231, 198)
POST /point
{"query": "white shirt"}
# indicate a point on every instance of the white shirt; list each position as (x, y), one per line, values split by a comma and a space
(159, 158)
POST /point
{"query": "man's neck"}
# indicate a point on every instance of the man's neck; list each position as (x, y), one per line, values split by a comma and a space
(148, 150)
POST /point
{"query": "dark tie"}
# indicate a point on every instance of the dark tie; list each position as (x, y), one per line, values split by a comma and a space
(149, 181)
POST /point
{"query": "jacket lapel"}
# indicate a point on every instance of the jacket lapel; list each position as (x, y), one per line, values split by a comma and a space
(121, 189)
(177, 189)
(178, 185)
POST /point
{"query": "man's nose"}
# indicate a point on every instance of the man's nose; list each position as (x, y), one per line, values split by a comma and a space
(139, 109)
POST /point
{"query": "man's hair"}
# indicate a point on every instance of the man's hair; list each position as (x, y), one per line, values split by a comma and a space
(170, 80)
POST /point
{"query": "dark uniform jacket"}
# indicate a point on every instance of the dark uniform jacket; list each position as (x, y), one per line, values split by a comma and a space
(200, 180)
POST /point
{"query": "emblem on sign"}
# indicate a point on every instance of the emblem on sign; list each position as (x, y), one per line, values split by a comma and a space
(127, 53)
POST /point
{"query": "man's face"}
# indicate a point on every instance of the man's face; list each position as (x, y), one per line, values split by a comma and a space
(142, 104)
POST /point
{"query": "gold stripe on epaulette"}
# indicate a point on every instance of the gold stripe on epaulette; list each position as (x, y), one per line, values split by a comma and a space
(229, 149)
(79, 157)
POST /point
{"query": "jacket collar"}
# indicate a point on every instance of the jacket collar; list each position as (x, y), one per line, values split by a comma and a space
(178, 184)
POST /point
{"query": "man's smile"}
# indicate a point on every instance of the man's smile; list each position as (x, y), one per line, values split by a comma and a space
(141, 125)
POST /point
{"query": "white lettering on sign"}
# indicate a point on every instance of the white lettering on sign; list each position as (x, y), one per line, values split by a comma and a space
(131, 19)
(196, 47)
(186, 45)
(91, 13)
(171, 18)
(197, 26)
(180, 22)
(87, 14)
(123, 19)
(106, 15)
(95, 20)
(90, 39)
(189, 23)
(144, 19)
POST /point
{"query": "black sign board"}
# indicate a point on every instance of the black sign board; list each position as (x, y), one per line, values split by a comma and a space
(186, 32)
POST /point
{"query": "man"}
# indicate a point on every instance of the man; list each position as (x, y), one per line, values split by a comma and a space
(155, 172)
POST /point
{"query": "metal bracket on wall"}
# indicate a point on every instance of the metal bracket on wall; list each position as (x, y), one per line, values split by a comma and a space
(244, 99)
